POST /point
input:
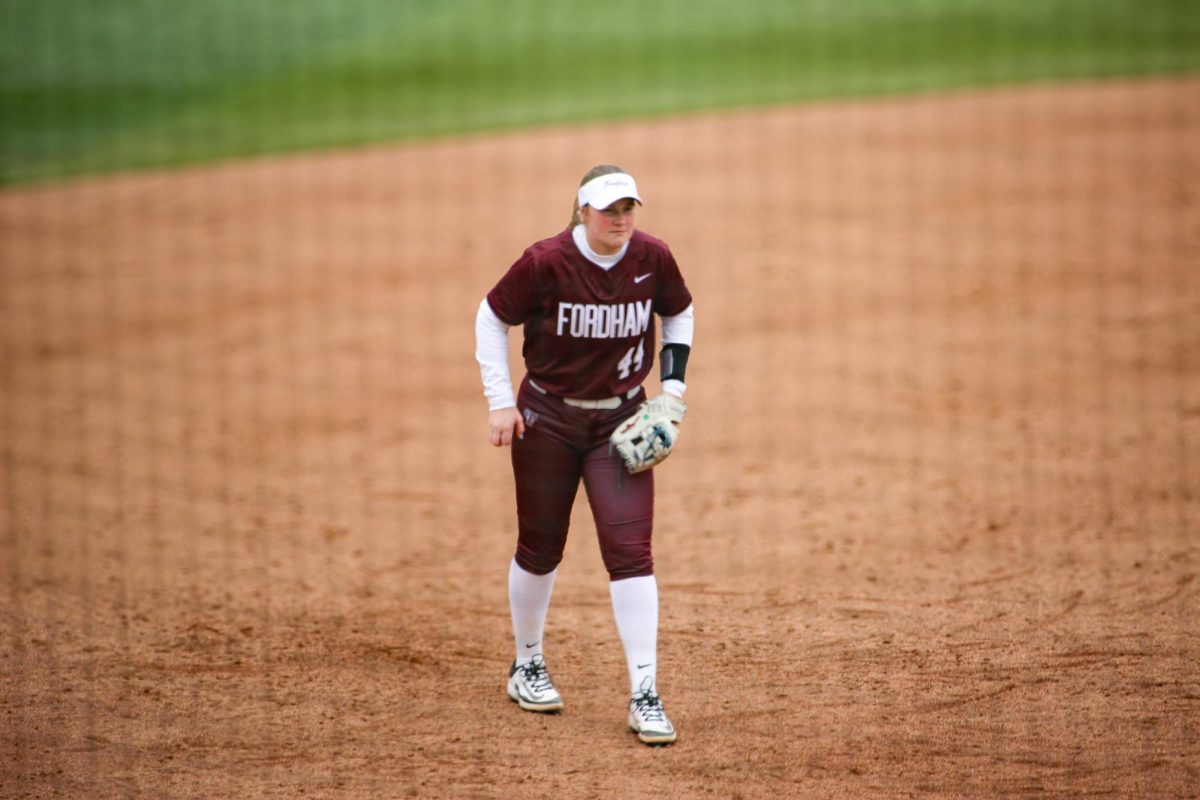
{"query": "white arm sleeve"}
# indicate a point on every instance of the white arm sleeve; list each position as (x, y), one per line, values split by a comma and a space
(678, 329)
(491, 351)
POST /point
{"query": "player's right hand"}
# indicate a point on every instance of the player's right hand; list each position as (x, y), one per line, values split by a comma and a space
(504, 424)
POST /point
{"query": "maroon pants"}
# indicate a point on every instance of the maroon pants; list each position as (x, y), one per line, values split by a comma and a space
(561, 445)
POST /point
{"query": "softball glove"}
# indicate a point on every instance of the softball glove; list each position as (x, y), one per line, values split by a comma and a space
(649, 436)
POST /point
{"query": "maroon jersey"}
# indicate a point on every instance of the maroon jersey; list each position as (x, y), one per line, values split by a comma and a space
(589, 332)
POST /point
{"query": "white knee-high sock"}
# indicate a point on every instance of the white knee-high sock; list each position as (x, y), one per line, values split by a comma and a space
(635, 607)
(529, 600)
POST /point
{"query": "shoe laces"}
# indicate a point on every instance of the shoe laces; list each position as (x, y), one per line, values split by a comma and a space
(535, 674)
(649, 707)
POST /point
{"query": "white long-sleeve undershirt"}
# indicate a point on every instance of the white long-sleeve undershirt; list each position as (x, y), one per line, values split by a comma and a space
(491, 351)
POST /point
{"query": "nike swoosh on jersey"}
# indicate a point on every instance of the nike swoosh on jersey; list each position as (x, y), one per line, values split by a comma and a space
(641, 278)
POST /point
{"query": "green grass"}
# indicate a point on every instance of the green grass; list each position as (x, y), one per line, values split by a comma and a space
(96, 85)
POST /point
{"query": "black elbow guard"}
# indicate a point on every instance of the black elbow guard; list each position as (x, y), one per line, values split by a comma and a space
(673, 361)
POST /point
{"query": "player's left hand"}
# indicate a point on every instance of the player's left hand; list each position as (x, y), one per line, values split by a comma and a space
(650, 435)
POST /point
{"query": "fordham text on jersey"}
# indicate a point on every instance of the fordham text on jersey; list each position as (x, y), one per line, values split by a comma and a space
(604, 321)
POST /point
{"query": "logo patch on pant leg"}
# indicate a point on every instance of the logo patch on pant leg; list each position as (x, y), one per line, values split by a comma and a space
(530, 417)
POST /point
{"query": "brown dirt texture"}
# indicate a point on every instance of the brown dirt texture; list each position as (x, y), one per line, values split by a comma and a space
(932, 529)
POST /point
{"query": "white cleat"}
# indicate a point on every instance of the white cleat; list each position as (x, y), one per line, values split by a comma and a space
(529, 685)
(648, 719)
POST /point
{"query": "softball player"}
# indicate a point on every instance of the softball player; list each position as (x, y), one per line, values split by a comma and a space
(586, 299)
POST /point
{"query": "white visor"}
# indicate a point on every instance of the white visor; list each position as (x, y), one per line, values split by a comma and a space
(602, 192)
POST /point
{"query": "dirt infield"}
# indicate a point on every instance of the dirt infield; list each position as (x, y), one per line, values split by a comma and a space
(933, 529)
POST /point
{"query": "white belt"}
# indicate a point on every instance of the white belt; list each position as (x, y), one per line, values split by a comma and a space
(606, 403)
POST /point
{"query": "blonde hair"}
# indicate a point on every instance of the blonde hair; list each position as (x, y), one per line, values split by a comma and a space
(594, 172)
